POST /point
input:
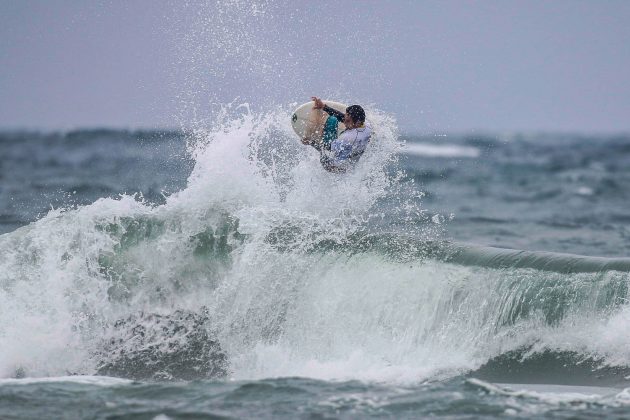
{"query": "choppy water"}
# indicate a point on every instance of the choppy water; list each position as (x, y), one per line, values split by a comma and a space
(224, 273)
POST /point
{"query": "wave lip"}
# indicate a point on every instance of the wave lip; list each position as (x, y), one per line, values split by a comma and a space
(491, 257)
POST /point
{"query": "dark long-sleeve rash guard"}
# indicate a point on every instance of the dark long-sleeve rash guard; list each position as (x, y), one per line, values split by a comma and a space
(331, 111)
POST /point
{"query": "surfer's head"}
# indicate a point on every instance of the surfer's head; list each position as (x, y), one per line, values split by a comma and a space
(355, 116)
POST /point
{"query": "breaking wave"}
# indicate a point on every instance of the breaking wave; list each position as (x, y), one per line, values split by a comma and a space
(265, 265)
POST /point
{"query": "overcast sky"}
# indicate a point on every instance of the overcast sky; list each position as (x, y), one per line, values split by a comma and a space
(437, 66)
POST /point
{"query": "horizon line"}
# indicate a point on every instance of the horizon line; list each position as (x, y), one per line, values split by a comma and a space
(403, 132)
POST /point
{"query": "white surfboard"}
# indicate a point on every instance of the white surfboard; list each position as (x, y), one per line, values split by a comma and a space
(308, 122)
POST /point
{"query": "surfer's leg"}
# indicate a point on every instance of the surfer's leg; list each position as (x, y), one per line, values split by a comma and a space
(326, 162)
(329, 164)
(330, 131)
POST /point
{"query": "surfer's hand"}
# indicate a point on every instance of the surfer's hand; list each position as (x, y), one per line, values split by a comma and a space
(318, 103)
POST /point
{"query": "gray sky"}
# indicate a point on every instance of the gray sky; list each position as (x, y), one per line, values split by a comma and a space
(437, 66)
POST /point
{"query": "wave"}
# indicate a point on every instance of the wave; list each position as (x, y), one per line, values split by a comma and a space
(492, 257)
(552, 367)
(269, 266)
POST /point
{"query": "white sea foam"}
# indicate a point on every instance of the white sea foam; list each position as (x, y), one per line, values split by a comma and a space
(78, 379)
(67, 276)
(283, 303)
(441, 150)
(540, 398)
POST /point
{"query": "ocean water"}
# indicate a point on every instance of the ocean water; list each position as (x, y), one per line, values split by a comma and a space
(221, 273)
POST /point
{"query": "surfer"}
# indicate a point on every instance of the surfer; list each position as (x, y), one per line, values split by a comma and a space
(339, 153)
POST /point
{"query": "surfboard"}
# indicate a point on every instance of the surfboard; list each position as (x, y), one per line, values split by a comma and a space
(308, 122)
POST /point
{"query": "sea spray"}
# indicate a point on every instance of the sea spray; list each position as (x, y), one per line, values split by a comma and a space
(80, 270)
(52, 293)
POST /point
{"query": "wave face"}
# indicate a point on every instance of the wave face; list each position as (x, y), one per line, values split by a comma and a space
(264, 265)
(492, 257)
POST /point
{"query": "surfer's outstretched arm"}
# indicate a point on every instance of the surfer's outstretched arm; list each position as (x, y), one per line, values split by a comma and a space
(319, 104)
